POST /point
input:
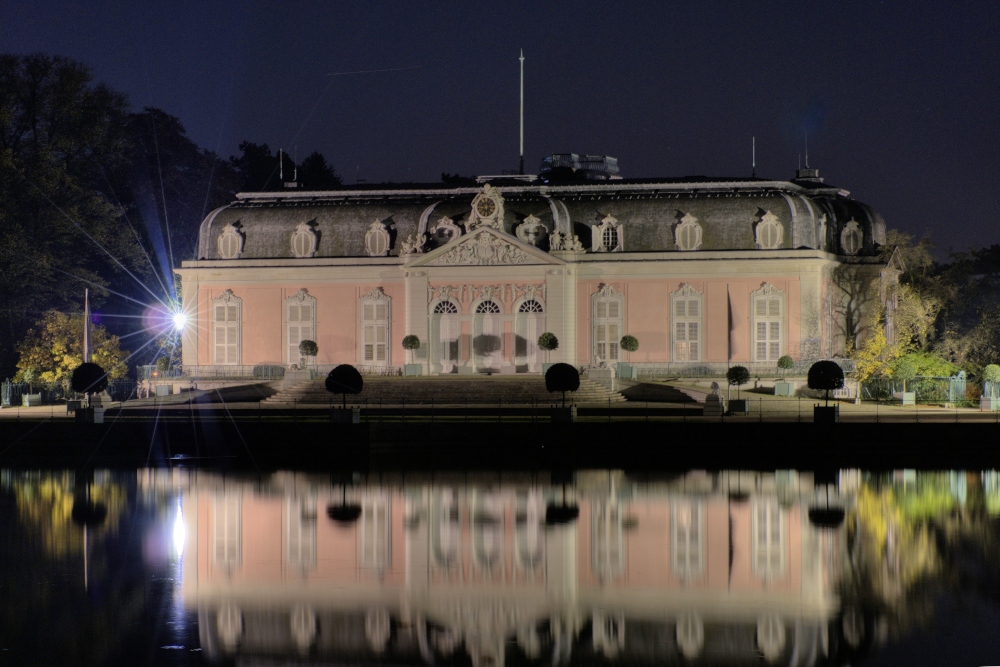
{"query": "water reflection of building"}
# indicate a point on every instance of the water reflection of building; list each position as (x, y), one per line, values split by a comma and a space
(704, 567)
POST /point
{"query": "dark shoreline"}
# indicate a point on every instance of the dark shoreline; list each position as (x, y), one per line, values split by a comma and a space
(243, 443)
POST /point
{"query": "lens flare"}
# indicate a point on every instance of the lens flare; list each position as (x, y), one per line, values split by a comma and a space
(180, 319)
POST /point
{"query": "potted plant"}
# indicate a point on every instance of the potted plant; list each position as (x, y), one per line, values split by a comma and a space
(738, 376)
(345, 379)
(826, 376)
(783, 388)
(411, 343)
(991, 388)
(548, 342)
(629, 344)
(563, 377)
(906, 371)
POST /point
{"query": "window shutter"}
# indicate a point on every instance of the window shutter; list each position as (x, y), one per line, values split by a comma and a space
(680, 332)
(293, 313)
(761, 307)
(305, 314)
(220, 313)
(693, 308)
(679, 308)
(380, 311)
(613, 309)
(774, 307)
(601, 309)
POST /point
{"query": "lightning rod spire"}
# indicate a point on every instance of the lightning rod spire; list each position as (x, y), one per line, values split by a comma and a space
(521, 169)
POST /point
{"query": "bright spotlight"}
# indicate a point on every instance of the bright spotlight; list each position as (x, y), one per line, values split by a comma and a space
(180, 319)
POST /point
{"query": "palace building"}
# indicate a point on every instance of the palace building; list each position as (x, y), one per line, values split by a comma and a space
(699, 270)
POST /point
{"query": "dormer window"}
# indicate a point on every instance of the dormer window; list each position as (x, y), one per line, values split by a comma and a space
(303, 241)
(377, 240)
(230, 242)
(607, 236)
(769, 232)
(687, 233)
(851, 238)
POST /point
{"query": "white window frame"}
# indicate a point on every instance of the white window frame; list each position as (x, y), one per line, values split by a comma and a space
(773, 338)
(687, 538)
(528, 326)
(608, 540)
(608, 224)
(606, 296)
(768, 225)
(768, 539)
(852, 238)
(230, 303)
(377, 240)
(488, 314)
(375, 533)
(227, 531)
(687, 228)
(682, 302)
(295, 328)
(368, 329)
(300, 533)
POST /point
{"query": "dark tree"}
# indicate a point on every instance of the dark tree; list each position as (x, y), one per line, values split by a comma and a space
(63, 140)
(344, 379)
(89, 378)
(739, 376)
(455, 179)
(826, 375)
(308, 348)
(316, 174)
(257, 168)
(562, 377)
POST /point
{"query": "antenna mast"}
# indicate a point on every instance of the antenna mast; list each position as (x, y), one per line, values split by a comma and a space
(807, 149)
(281, 167)
(521, 170)
(753, 157)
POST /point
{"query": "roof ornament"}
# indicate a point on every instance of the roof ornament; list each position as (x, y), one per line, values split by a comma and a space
(413, 246)
(487, 210)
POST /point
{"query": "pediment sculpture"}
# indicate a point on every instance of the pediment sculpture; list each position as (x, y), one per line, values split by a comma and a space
(485, 249)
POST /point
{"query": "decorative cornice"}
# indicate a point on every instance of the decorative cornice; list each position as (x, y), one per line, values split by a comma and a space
(375, 294)
(483, 249)
(302, 295)
(606, 290)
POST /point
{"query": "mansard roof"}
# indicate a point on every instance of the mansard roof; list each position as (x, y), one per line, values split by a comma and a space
(812, 214)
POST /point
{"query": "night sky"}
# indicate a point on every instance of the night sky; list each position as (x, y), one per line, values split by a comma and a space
(899, 100)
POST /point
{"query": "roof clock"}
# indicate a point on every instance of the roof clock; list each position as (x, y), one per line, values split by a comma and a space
(487, 210)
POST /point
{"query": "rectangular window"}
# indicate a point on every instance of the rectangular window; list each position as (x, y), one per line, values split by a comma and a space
(375, 332)
(767, 328)
(687, 329)
(227, 334)
(607, 327)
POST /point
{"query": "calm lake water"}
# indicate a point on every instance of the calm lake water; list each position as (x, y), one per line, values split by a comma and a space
(190, 567)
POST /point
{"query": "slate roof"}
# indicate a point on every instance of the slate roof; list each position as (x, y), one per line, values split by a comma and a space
(726, 208)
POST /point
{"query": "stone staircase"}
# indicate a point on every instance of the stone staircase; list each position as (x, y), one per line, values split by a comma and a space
(449, 391)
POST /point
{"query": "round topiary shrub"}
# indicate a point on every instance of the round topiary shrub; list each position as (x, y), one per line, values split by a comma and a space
(826, 376)
(629, 343)
(344, 379)
(88, 378)
(548, 342)
(785, 363)
(411, 343)
(562, 377)
(308, 348)
(738, 376)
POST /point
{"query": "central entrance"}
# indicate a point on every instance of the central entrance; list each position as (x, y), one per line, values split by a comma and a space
(487, 337)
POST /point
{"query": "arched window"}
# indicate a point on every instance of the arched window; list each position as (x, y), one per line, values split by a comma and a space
(300, 322)
(226, 323)
(446, 329)
(375, 318)
(528, 326)
(768, 311)
(446, 308)
(769, 232)
(687, 234)
(487, 342)
(607, 314)
(687, 307)
(230, 242)
(851, 238)
(687, 539)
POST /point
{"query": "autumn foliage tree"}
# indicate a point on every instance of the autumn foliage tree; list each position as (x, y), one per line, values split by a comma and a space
(54, 348)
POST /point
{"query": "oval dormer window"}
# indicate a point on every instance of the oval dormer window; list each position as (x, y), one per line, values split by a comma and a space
(377, 240)
(230, 243)
(770, 233)
(851, 238)
(303, 241)
(687, 235)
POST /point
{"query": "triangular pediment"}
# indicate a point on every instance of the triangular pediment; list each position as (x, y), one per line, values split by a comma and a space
(485, 247)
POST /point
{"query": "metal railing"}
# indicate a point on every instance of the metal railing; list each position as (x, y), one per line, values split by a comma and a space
(366, 371)
(12, 393)
(700, 369)
(264, 372)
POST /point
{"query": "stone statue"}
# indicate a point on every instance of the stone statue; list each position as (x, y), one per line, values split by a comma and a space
(556, 240)
(413, 246)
